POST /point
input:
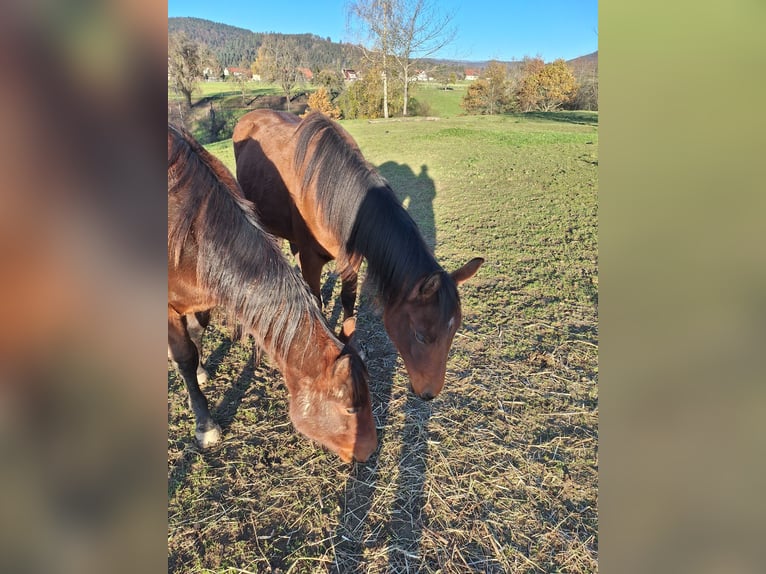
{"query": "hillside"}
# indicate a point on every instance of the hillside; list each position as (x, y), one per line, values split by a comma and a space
(234, 46)
(587, 63)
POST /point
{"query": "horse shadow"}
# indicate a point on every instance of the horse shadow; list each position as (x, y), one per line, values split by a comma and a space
(405, 526)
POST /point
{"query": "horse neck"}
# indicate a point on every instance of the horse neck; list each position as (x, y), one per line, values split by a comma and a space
(244, 270)
(310, 354)
(388, 238)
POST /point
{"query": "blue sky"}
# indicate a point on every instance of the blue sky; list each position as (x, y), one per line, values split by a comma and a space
(499, 29)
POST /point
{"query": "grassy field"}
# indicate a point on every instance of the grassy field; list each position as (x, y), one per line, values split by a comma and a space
(224, 89)
(499, 472)
(440, 102)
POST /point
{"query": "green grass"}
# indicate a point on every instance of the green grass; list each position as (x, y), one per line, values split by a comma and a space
(440, 102)
(225, 89)
(499, 472)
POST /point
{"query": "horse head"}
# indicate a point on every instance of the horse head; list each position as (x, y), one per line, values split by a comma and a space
(423, 324)
(334, 409)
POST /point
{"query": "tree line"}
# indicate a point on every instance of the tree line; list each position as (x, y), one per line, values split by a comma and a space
(532, 86)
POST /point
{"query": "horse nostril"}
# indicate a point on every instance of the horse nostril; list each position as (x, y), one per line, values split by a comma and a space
(426, 396)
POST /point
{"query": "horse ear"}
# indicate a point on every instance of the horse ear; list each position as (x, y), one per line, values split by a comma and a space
(467, 271)
(342, 366)
(347, 330)
(427, 287)
(349, 338)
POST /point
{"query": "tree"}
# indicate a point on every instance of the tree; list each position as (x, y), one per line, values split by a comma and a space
(490, 94)
(546, 87)
(242, 80)
(420, 30)
(364, 97)
(279, 58)
(476, 97)
(185, 64)
(376, 17)
(332, 80)
(400, 32)
(320, 101)
(586, 96)
(526, 91)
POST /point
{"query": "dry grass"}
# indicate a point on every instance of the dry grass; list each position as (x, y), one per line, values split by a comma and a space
(499, 472)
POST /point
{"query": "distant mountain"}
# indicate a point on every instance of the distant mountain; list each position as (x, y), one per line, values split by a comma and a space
(587, 63)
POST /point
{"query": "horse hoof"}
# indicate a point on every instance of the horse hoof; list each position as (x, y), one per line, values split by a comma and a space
(209, 437)
(202, 375)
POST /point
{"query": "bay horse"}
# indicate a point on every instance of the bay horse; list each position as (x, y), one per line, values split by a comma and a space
(219, 255)
(311, 185)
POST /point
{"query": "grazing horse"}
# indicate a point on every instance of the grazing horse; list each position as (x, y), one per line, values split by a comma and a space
(218, 255)
(312, 186)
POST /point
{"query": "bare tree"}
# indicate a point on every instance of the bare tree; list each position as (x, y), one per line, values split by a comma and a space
(400, 33)
(278, 60)
(376, 18)
(185, 63)
(420, 31)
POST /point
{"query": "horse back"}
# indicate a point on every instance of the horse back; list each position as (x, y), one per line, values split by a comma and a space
(263, 149)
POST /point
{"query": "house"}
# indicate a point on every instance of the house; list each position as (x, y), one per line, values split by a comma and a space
(349, 75)
(237, 72)
(422, 76)
(307, 74)
(471, 74)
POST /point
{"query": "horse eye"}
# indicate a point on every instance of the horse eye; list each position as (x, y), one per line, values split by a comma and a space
(352, 410)
(420, 338)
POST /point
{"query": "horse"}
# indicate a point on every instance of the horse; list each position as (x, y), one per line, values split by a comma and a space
(312, 185)
(219, 255)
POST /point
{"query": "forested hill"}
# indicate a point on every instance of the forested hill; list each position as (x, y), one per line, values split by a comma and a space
(234, 46)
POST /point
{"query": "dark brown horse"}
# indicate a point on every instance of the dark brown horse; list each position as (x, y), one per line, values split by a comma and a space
(312, 186)
(218, 255)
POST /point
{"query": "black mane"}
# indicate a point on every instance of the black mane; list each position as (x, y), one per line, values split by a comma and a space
(359, 204)
(238, 262)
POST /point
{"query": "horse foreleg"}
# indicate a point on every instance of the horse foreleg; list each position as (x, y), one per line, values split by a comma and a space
(311, 264)
(196, 323)
(349, 279)
(185, 355)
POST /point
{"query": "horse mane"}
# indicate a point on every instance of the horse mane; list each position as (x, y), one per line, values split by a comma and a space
(356, 200)
(238, 262)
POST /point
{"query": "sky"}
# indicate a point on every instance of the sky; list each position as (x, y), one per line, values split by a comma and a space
(486, 29)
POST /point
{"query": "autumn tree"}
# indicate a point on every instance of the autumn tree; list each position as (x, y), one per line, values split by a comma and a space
(546, 87)
(320, 101)
(185, 64)
(279, 58)
(364, 97)
(490, 94)
(476, 97)
(526, 88)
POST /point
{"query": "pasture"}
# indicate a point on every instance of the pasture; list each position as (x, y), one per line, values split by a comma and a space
(499, 473)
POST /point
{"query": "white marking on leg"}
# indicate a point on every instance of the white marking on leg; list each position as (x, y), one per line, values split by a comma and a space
(209, 437)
